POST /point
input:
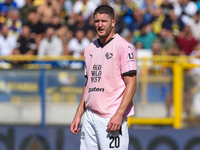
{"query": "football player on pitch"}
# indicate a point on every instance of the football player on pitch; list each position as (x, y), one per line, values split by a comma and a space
(110, 69)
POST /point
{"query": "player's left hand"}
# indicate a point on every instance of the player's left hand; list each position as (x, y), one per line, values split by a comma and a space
(115, 123)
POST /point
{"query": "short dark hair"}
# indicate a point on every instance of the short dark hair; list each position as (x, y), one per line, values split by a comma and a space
(32, 11)
(105, 9)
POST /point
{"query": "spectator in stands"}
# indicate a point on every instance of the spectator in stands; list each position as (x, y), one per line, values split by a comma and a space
(61, 31)
(173, 23)
(97, 2)
(80, 24)
(20, 3)
(171, 51)
(91, 35)
(8, 5)
(120, 26)
(59, 28)
(186, 41)
(189, 9)
(138, 22)
(78, 44)
(51, 44)
(3, 16)
(157, 68)
(195, 25)
(138, 46)
(37, 28)
(47, 10)
(148, 9)
(158, 18)
(112, 3)
(165, 39)
(156, 48)
(166, 6)
(34, 23)
(127, 11)
(198, 4)
(196, 52)
(146, 36)
(116, 5)
(103, 2)
(24, 11)
(25, 44)
(68, 6)
(14, 23)
(176, 7)
(189, 82)
(7, 41)
(139, 3)
(189, 85)
(86, 7)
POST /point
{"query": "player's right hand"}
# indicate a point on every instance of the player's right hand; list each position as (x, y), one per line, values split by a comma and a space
(75, 125)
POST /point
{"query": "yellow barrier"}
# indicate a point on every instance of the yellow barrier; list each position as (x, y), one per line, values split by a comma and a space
(177, 94)
(177, 97)
(176, 63)
(39, 58)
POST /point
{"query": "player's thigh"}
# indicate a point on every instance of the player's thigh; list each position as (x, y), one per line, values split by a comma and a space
(118, 140)
(88, 140)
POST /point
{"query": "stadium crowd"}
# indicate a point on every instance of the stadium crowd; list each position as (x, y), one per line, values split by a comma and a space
(65, 27)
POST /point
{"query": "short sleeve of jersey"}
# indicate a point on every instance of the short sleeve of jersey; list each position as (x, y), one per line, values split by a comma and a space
(85, 68)
(128, 60)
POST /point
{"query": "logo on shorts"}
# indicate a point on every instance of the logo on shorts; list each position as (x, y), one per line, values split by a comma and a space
(108, 55)
(82, 135)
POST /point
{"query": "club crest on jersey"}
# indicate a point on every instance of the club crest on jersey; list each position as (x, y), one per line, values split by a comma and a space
(108, 55)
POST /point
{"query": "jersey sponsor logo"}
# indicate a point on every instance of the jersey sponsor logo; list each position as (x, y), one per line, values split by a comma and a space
(96, 73)
(108, 55)
(95, 89)
(95, 79)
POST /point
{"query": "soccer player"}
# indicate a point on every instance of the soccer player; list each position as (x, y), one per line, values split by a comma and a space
(110, 69)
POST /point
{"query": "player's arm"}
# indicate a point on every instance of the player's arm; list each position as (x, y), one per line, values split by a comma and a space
(115, 122)
(77, 119)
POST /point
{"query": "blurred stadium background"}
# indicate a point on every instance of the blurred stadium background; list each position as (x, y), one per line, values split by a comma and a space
(40, 86)
(39, 100)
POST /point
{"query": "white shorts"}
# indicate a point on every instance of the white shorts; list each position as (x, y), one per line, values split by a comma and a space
(95, 137)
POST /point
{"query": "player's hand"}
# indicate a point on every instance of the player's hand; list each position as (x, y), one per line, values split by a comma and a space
(115, 123)
(75, 125)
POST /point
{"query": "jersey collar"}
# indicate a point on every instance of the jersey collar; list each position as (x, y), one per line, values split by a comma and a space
(102, 45)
